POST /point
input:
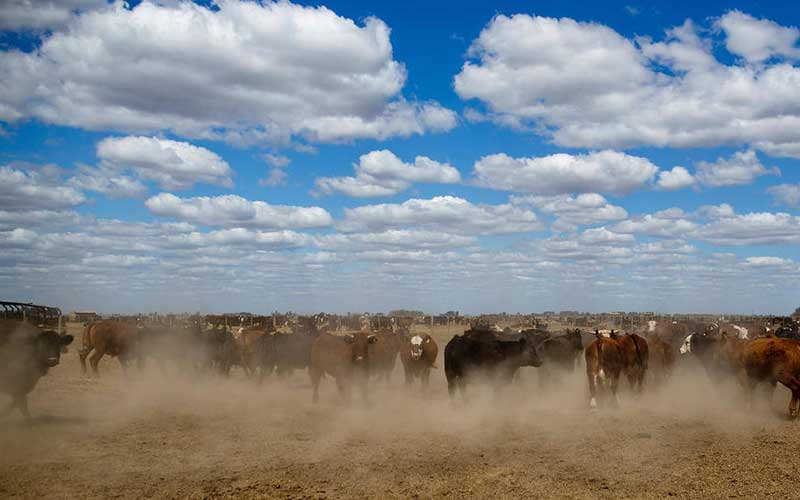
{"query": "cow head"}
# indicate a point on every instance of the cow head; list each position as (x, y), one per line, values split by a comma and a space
(359, 346)
(698, 343)
(574, 339)
(418, 343)
(48, 347)
(530, 352)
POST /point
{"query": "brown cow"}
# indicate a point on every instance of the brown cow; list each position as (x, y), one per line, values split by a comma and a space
(383, 354)
(418, 355)
(768, 360)
(604, 363)
(636, 355)
(248, 343)
(662, 356)
(344, 358)
(108, 337)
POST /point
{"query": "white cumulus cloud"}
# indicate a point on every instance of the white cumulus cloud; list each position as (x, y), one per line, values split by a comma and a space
(234, 211)
(585, 85)
(598, 172)
(171, 164)
(447, 213)
(31, 188)
(741, 168)
(757, 40)
(19, 15)
(583, 209)
(677, 178)
(243, 71)
(382, 173)
(785, 194)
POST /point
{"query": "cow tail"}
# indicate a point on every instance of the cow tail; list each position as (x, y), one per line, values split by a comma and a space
(599, 344)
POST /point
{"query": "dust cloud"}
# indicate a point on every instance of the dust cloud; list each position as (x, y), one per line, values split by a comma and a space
(172, 434)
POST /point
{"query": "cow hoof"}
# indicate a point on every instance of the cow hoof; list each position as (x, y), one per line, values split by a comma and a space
(592, 404)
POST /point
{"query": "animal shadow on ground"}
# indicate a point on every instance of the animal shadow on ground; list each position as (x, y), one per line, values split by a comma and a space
(43, 421)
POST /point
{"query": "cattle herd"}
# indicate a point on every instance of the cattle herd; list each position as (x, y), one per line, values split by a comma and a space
(768, 352)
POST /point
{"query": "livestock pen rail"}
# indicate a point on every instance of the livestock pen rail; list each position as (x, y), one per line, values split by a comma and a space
(41, 316)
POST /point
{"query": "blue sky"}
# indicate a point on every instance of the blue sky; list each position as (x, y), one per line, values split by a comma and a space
(362, 157)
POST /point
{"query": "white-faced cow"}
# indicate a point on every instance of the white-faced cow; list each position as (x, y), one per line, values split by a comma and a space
(418, 355)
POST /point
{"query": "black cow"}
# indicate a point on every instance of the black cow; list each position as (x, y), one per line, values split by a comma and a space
(560, 352)
(213, 349)
(495, 355)
(26, 354)
(284, 352)
(563, 350)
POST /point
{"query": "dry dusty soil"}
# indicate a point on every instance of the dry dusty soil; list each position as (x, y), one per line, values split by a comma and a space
(154, 435)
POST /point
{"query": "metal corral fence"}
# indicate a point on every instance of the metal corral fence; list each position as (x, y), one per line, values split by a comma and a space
(41, 316)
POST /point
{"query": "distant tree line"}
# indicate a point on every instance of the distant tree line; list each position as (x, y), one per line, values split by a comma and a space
(406, 313)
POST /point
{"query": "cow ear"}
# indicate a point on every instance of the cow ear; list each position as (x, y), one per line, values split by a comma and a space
(66, 339)
(349, 338)
(427, 340)
(372, 339)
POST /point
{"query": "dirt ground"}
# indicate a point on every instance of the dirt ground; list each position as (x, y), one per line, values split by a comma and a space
(155, 435)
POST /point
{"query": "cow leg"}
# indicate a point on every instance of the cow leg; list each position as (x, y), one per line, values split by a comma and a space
(363, 385)
(425, 379)
(592, 390)
(462, 388)
(409, 378)
(631, 378)
(315, 376)
(263, 371)
(22, 404)
(344, 388)
(771, 392)
(639, 381)
(82, 356)
(9, 408)
(793, 404)
(452, 385)
(248, 370)
(748, 385)
(94, 360)
(544, 377)
(614, 386)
